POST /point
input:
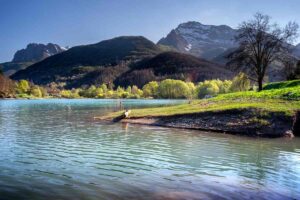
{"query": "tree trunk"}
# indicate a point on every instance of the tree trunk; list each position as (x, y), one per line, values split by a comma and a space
(260, 84)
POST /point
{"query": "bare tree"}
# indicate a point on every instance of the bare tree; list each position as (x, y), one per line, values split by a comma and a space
(296, 74)
(290, 63)
(260, 44)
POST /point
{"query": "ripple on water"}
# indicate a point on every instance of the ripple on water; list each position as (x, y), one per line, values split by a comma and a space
(53, 149)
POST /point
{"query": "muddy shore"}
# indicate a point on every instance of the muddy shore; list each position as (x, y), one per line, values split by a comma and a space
(248, 122)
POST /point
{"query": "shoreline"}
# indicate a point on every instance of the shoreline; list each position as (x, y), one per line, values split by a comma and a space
(245, 122)
(212, 116)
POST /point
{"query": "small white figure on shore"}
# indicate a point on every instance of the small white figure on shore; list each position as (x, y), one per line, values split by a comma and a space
(127, 112)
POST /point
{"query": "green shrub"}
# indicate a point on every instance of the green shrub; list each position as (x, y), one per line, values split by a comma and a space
(240, 83)
(207, 88)
(151, 89)
(173, 89)
(22, 87)
(36, 92)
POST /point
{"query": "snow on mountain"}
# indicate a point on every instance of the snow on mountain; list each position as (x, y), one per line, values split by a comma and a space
(206, 41)
(188, 47)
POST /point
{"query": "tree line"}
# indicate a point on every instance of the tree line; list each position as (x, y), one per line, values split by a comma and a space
(166, 89)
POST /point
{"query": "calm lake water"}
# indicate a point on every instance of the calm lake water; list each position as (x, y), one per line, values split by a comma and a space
(53, 149)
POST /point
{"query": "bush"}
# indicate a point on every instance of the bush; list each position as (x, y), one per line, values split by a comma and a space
(240, 83)
(36, 92)
(23, 87)
(225, 87)
(65, 94)
(136, 92)
(151, 89)
(192, 90)
(207, 88)
(99, 93)
(173, 89)
(70, 94)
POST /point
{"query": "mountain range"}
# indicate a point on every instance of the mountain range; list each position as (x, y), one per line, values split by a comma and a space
(31, 54)
(205, 41)
(125, 60)
(214, 43)
(192, 51)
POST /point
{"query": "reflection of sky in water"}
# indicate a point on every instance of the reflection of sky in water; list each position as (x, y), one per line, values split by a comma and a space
(54, 148)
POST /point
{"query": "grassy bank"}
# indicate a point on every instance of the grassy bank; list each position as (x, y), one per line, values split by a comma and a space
(285, 100)
(284, 106)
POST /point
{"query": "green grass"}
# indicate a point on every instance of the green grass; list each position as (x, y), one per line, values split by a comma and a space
(281, 85)
(285, 100)
(271, 105)
(289, 93)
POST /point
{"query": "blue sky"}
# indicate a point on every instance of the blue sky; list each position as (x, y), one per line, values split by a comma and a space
(76, 22)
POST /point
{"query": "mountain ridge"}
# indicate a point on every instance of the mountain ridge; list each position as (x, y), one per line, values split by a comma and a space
(106, 53)
(173, 65)
(109, 62)
(33, 53)
(205, 41)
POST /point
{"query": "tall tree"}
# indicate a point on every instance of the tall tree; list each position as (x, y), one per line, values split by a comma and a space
(290, 65)
(260, 44)
(297, 71)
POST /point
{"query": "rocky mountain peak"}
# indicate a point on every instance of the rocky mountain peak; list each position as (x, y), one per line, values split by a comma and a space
(201, 40)
(35, 52)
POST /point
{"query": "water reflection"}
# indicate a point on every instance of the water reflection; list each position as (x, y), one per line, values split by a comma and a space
(55, 150)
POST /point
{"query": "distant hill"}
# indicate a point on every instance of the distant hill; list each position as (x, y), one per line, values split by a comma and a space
(204, 41)
(173, 65)
(127, 60)
(81, 61)
(9, 68)
(31, 54)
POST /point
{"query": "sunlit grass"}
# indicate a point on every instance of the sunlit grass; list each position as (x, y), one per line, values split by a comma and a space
(287, 107)
(280, 85)
(291, 93)
(284, 100)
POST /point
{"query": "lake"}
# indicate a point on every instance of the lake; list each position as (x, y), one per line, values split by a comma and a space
(54, 149)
